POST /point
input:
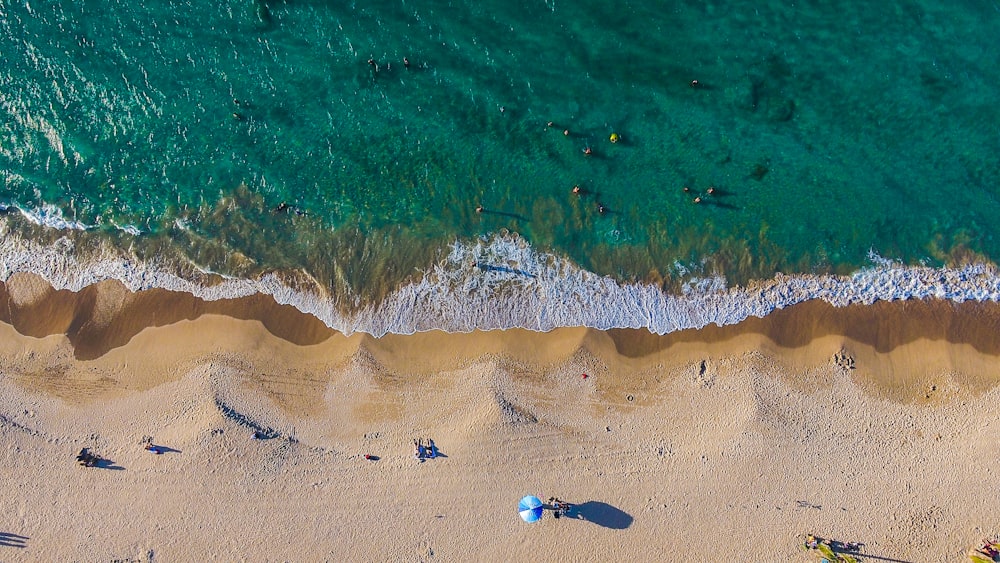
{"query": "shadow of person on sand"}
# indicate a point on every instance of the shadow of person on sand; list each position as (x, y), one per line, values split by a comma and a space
(8, 539)
(87, 458)
(158, 449)
(104, 463)
(600, 513)
(433, 452)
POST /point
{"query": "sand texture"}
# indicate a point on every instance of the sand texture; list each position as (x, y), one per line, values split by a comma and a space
(870, 424)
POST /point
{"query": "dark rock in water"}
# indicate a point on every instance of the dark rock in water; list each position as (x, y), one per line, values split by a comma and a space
(759, 171)
(780, 109)
(766, 90)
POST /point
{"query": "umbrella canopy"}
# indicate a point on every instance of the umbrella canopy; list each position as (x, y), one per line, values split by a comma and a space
(530, 509)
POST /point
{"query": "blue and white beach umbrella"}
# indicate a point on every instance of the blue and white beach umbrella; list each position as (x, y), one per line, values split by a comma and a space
(530, 509)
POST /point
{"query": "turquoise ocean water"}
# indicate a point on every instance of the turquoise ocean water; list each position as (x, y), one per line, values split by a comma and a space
(253, 138)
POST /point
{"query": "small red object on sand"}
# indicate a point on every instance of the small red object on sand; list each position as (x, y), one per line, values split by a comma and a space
(368, 456)
(585, 376)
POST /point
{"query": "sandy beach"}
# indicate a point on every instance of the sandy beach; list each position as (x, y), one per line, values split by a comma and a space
(866, 424)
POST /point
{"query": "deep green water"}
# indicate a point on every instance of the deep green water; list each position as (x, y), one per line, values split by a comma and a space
(827, 129)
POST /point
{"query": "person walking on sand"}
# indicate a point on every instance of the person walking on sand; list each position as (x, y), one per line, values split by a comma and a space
(417, 450)
(431, 453)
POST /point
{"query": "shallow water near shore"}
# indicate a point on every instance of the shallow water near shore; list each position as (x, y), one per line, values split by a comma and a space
(244, 138)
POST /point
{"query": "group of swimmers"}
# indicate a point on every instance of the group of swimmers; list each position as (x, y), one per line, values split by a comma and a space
(587, 149)
(614, 138)
(698, 199)
(373, 64)
(578, 191)
(283, 207)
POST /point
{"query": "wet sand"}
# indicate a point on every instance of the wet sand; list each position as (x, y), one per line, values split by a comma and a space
(872, 424)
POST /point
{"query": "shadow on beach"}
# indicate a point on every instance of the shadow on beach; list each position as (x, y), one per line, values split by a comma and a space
(64, 312)
(104, 463)
(865, 556)
(602, 514)
(8, 539)
(87, 458)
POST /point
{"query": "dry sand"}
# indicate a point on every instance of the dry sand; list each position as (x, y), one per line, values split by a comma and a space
(719, 444)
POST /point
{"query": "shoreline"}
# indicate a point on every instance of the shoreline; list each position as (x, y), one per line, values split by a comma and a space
(466, 291)
(861, 423)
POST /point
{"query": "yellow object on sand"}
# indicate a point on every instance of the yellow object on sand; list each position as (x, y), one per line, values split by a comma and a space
(614, 137)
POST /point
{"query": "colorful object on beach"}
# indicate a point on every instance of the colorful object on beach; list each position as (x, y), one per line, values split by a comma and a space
(530, 509)
(614, 138)
(585, 376)
(988, 552)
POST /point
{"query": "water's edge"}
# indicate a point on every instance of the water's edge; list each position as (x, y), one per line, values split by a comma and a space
(502, 282)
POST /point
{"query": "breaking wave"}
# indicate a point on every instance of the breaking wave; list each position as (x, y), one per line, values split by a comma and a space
(51, 216)
(501, 282)
(47, 215)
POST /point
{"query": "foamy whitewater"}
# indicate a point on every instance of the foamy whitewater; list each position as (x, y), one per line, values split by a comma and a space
(500, 282)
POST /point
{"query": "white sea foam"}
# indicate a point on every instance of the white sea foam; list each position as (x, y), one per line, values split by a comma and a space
(502, 282)
(48, 215)
(130, 229)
